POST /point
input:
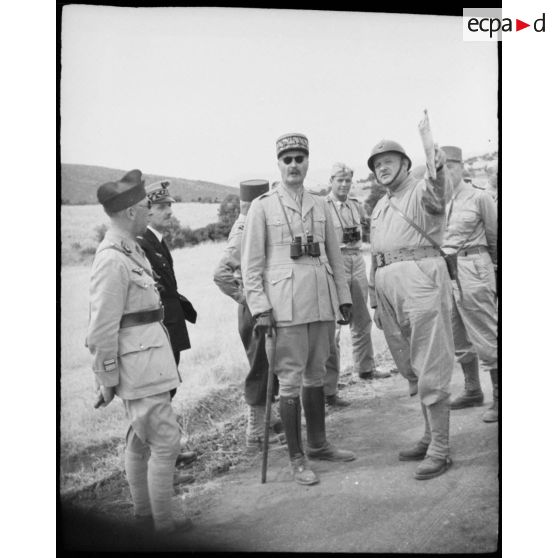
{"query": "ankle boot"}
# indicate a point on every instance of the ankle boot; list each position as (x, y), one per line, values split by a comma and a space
(472, 395)
(492, 414)
(289, 408)
(437, 459)
(314, 409)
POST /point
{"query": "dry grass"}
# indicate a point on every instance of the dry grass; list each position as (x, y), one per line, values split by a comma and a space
(78, 223)
(213, 371)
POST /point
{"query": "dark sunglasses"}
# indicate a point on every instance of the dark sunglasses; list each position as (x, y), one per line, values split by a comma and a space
(298, 159)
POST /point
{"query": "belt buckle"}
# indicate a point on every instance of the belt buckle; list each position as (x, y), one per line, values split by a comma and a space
(380, 260)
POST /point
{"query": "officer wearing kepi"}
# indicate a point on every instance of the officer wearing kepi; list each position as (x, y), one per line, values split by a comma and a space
(177, 307)
(348, 216)
(228, 277)
(411, 289)
(295, 285)
(472, 234)
(132, 355)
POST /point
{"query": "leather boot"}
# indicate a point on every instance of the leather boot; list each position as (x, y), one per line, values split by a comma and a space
(418, 452)
(289, 408)
(492, 414)
(318, 446)
(255, 430)
(472, 395)
(437, 459)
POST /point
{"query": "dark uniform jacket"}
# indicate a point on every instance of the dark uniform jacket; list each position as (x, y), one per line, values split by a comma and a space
(177, 307)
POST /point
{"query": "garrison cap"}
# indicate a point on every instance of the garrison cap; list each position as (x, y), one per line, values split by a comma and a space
(340, 167)
(158, 192)
(116, 196)
(387, 146)
(453, 153)
(251, 189)
(289, 142)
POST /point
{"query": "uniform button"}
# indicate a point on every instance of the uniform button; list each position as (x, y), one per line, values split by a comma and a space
(141, 346)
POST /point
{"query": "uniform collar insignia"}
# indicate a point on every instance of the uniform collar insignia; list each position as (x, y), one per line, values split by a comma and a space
(125, 247)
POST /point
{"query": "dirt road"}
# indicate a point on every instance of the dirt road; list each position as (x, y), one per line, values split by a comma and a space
(372, 504)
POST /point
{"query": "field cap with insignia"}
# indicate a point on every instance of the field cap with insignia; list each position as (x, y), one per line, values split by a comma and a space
(340, 168)
(158, 192)
(251, 189)
(293, 141)
(116, 196)
(453, 153)
(387, 146)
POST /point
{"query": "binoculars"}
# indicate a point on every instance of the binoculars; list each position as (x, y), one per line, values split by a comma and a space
(298, 249)
(351, 235)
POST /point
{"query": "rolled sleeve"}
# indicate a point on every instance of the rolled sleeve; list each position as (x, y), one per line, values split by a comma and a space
(224, 274)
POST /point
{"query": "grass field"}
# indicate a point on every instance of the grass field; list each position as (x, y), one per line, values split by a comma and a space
(78, 223)
(89, 438)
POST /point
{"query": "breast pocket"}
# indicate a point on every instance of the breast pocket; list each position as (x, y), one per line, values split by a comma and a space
(278, 285)
(143, 293)
(467, 216)
(319, 221)
(277, 229)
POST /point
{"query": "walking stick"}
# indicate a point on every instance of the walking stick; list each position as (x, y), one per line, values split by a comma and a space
(270, 339)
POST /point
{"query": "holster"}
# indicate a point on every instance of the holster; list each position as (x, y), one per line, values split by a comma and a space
(451, 263)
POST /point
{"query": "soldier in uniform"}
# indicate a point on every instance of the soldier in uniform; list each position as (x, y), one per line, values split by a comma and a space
(132, 354)
(295, 286)
(348, 216)
(228, 278)
(411, 290)
(472, 234)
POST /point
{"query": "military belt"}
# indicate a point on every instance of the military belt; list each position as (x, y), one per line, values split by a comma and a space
(473, 250)
(142, 317)
(405, 254)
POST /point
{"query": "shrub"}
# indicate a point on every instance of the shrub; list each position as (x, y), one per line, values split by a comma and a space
(229, 209)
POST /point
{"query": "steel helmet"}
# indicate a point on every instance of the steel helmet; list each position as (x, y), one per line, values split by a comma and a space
(387, 146)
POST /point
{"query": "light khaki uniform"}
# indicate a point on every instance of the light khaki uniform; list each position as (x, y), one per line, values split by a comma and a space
(472, 231)
(347, 215)
(304, 294)
(138, 362)
(414, 298)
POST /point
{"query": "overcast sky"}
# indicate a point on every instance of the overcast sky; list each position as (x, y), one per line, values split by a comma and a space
(203, 93)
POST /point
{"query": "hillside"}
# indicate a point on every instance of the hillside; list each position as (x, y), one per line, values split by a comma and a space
(79, 185)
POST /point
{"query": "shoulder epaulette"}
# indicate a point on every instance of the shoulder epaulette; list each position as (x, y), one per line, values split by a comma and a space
(123, 248)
